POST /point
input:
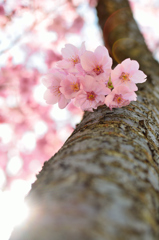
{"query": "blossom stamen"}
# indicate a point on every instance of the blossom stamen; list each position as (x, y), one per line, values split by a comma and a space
(75, 87)
(75, 60)
(118, 98)
(124, 77)
(98, 69)
(91, 96)
(119, 101)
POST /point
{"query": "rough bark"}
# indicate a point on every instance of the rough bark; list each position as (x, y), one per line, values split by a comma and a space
(103, 184)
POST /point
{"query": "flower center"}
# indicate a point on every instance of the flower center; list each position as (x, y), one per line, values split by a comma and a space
(75, 87)
(118, 98)
(91, 96)
(75, 60)
(124, 77)
(98, 69)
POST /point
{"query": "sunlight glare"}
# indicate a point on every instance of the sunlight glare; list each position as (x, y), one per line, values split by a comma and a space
(13, 211)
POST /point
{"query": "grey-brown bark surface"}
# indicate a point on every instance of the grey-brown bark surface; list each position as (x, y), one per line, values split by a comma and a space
(103, 184)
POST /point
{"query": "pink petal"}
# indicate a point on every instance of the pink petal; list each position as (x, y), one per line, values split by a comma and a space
(138, 77)
(88, 104)
(57, 78)
(80, 98)
(82, 49)
(88, 83)
(101, 89)
(66, 86)
(80, 70)
(62, 103)
(65, 64)
(103, 57)
(52, 77)
(109, 99)
(131, 96)
(121, 89)
(116, 72)
(46, 81)
(103, 77)
(132, 86)
(130, 66)
(72, 78)
(69, 51)
(88, 61)
(50, 98)
(66, 89)
(100, 98)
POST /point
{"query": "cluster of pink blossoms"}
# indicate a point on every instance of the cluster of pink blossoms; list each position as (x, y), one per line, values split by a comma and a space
(87, 79)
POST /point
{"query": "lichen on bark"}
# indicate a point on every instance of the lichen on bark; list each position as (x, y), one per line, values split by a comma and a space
(103, 183)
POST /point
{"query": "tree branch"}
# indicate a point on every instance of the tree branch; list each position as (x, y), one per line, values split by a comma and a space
(122, 36)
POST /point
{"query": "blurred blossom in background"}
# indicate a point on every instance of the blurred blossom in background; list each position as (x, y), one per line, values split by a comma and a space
(32, 34)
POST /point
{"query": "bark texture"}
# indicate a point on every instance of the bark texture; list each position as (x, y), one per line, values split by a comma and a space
(103, 184)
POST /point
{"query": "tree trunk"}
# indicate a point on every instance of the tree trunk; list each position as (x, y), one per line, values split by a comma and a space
(103, 184)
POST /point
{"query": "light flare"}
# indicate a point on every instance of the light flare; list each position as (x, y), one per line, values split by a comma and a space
(13, 211)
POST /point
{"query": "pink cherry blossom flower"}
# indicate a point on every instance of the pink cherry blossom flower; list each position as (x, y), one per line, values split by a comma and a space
(71, 57)
(119, 97)
(77, 25)
(70, 86)
(93, 3)
(51, 57)
(2, 11)
(97, 64)
(127, 73)
(53, 94)
(91, 95)
(58, 25)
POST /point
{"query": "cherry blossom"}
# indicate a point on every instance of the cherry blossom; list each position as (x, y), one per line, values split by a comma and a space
(93, 3)
(77, 25)
(92, 85)
(128, 74)
(119, 97)
(2, 12)
(71, 57)
(59, 25)
(70, 86)
(92, 94)
(97, 63)
(53, 94)
(51, 57)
